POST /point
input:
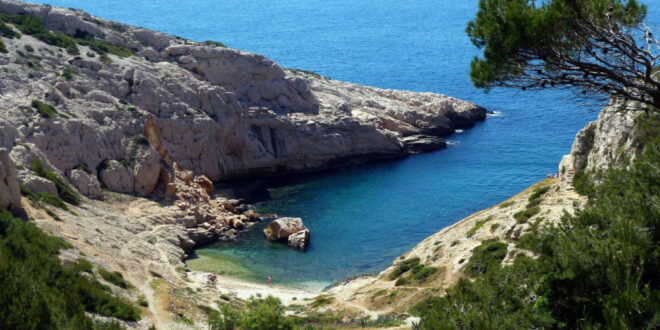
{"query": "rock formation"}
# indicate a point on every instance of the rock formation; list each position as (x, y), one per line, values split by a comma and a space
(608, 141)
(290, 230)
(10, 195)
(220, 112)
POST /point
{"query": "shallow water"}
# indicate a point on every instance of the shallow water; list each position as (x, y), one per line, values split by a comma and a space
(362, 217)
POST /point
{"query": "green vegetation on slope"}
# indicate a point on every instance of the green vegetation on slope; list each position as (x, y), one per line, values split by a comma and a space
(63, 190)
(32, 25)
(38, 292)
(596, 269)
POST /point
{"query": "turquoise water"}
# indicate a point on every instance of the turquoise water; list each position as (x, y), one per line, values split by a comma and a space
(362, 217)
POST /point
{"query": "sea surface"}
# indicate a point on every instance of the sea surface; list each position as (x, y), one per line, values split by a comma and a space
(363, 217)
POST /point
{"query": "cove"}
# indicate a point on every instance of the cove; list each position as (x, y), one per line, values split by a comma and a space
(363, 217)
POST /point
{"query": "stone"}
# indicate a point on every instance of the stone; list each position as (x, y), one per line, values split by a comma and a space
(300, 239)
(282, 228)
(205, 183)
(189, 222)
(86, 184)
(38, 184)
(201, 236)
(10, 194)
(146, 170)
(171, 189)
(238, 224)
(253, 216)
(118, 177)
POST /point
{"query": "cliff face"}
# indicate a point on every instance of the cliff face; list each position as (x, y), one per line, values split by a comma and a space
(221, 112)
(608, 141)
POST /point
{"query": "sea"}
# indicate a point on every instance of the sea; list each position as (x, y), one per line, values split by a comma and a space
(363, 217)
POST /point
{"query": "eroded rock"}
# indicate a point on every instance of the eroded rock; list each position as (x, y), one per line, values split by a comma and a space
(299, 240)
(10, 194)
(280, 229)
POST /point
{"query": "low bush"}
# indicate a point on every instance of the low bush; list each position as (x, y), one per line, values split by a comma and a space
(7, 32)
(403, 267)
(32, 25)
(103, 47)
(63, 190)
(486, 256)
(478, 226)
(44, 109)
(538, 192)
(214, 43)
(115, 278)
(38, 292)
(526, 214)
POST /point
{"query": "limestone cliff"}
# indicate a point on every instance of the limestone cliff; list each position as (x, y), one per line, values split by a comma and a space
(221, 112)
(608, 141)
(611, 140)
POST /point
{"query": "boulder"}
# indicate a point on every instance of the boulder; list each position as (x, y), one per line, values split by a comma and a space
(299, 240)
(87, 184)
(117, 177)
(205, 183)
(201, 236)
(146, 171)
(10, 194)
(38, 184)
(282, 228)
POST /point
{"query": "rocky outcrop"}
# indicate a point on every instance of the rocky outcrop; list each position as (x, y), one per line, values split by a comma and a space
(10, 195)
(299, 240)
(608, 141)
(289, 230)
(280, 229)
(87, 184)
(218, 112)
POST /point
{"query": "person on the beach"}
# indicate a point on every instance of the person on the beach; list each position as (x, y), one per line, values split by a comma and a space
(270, 282)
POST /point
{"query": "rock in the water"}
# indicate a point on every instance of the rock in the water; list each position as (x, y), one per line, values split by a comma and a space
(10, 194)
(282, 228)
(299, 240)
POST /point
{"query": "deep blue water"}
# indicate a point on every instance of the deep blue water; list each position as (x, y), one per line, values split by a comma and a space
(362, 217)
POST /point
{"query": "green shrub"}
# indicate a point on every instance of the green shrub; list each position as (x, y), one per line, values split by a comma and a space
(214, 43)
(596, 269)
(507, 204)
(103, 47)
(526, 214)
(538, 192)
(51, 199)
(32, 25)
(29, 49)
(7, 32)
(63, 190)
(67, 73)
(115, 278)
(44, 109)
(227, 319)
(265, 313)
(485, 256)
(38, 292)
(3, 47)
(403, 267)
(321, 301)
(478, 226)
